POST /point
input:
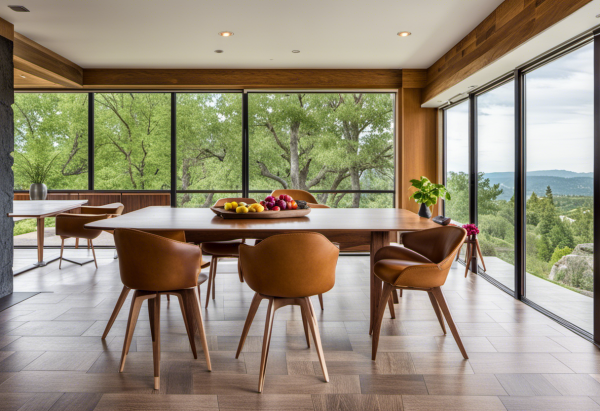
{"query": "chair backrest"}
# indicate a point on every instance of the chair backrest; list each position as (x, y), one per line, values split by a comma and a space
(151, 262)
(437, 244)
(222, 201)
(296, 195)
(72, 225)
(112, 208)
(290, 265)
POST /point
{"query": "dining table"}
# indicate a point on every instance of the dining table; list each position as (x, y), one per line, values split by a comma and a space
(350, 227)
(40, 210)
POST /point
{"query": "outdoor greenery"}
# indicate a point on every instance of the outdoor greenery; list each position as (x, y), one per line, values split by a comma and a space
(555, 225)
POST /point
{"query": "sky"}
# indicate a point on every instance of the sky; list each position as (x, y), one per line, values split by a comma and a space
(559, 120)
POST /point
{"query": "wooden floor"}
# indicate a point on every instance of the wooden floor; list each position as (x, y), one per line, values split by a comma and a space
(52, 357)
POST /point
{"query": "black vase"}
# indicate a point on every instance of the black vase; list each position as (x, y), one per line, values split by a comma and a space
(424, 211)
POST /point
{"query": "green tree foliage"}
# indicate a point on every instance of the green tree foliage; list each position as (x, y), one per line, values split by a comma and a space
(560, 253)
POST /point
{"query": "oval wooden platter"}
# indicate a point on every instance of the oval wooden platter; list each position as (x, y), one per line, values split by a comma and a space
(220, 211)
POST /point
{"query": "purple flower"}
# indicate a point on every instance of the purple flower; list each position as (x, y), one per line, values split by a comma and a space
(471, 229)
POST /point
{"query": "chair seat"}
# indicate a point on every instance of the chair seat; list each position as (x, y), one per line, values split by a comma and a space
(222, 248)
(390, 270)
(202, 278)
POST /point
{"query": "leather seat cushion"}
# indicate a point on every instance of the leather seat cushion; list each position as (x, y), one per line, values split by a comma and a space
(390, 270)
(222, 247)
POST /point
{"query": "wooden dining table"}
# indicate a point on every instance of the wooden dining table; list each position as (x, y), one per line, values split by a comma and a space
(348, 226)
(40, 210)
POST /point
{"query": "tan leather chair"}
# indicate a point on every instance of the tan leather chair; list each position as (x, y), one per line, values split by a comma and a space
(422, 264)
(153, 265)
(222, 249)
(73, 226)
(112, 209)
(175, 235)
(307, 262)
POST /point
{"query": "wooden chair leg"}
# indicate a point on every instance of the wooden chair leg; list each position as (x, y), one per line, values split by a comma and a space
(168, 298)
(467, 259)
(189, 326)
(115, 313)
(480, 255)
(395, 297)
(193, 303)
(385, 296)
(240, 271)
(266, 343)
(77, 243)
(436, 308)
(91, 244)
(88, 243)
(154, 313)
(314, 327)
(321, 301)
(391, 305)
(305, 316)
(134, 312)
(214, 281)
(62, 249)
(400, 293)
(251, 313)
(439, 296)
(210, 280)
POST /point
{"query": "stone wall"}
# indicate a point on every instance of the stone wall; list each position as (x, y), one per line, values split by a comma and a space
(6, 162)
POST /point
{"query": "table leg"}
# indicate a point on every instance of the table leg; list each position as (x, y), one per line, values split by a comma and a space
(379, 239)
(40, 239)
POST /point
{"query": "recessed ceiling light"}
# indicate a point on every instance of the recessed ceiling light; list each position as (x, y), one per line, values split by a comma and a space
(20, 9)
(404, 33)
(295, 51)
(218, 51)
(226, 34)
(22, 76)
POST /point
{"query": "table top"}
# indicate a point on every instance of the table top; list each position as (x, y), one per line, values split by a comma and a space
(320, 219)
(43, 208)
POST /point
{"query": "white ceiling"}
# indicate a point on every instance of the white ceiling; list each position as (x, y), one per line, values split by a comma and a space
(183, 33)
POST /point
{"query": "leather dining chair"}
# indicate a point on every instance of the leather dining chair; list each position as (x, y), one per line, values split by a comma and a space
(175, 235)
(423, 265)
(72, 226)
(112, 209)
(222, 249)
(153, 265)
(310, 260)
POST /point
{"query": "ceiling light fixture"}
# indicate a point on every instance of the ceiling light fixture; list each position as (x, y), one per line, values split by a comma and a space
(404, 33)
(218, 51)
(22, 76)
(226, 34)
(19, 9)
(296, 51)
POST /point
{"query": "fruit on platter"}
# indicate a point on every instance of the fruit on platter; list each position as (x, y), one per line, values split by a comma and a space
(275, 208)
(241, 203)
(282, 203)
(302, 205)
(256, 208)
(241, 210)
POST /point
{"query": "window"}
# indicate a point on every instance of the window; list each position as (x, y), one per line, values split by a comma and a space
(559, 186)
(340, 146)
(496, 181)
(132, 134)
(457, 162)
(209, 147)
(51, 139)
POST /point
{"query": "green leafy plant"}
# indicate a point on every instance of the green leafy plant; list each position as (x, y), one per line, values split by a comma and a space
(36, 172)
(427, 192)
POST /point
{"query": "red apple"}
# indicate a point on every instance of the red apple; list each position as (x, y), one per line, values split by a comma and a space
(282, 197)
(281, 204)
(288, 198)
(262, 203)
(288, 205)
(275, 208)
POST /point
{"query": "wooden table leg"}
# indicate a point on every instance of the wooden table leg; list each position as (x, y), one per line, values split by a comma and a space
(379, 239)
(40, 239)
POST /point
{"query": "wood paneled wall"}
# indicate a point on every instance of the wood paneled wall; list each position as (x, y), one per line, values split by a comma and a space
(513, 23)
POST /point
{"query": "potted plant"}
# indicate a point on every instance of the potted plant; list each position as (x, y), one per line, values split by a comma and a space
(37, 173)
(427, 194)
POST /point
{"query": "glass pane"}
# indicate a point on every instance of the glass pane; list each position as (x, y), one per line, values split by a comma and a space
(496, 182)
(209, 142)
(457, 162)
(560, 204)
(323, 141)
(132, 141)
(51, 141)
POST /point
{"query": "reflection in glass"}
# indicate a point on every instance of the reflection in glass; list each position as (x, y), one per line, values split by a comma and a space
(457, 162)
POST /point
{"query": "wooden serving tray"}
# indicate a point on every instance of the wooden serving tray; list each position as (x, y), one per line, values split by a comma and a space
(220, 211)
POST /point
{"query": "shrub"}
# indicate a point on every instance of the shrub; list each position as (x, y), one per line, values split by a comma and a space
(559, 253)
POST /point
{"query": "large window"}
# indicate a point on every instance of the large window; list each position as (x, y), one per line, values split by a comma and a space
(51, 140)
(456, 123)
(338, 145)
(496, 181)
(132, 134)
(559, 186)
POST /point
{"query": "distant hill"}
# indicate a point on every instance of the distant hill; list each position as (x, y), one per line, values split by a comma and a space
(562, 182)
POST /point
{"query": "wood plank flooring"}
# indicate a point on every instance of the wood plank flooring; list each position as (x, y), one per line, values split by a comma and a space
(52, 357)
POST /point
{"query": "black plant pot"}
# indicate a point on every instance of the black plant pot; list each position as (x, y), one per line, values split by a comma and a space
(424, 211)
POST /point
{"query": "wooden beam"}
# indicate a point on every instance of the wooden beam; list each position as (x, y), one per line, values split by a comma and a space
(512, 23)
(7, 30)
(38, 61)
(25, 80)
(241, 79)
(414, 78)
